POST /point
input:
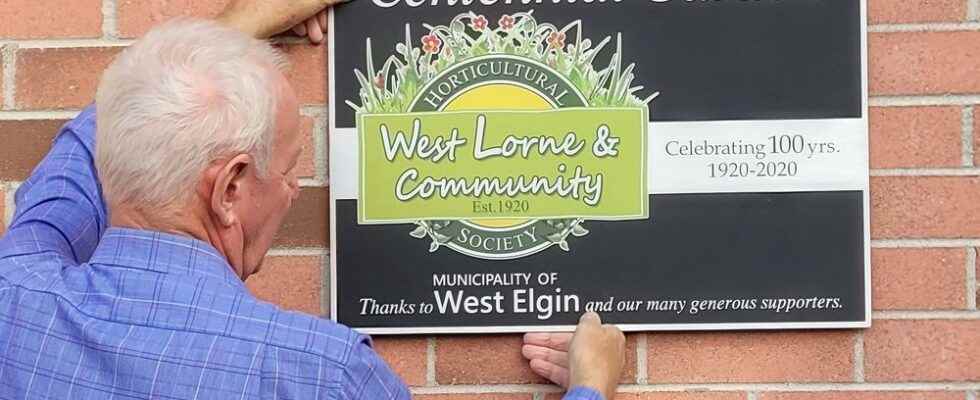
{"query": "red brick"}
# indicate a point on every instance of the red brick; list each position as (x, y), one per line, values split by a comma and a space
(136, 17)
(308, 221)
(796, 356)
(308, 72)
(907, 137)
(915, 11)
(918, 279)
(306, 166)
(29, 19)
(480, 396)
(25, 144)
(498, 359)
(60, 78)
(922, 350)
(669, 396)
(292, 282)
(482, 360)
(924, 62)
(406, 356)
(925, 207)
(842, 395)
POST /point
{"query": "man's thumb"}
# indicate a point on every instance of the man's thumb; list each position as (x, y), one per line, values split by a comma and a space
(590, 318)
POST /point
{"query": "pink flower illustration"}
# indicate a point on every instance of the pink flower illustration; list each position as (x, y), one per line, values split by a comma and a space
(431, 43)
(506, 22)
(479, 23)
(556, 40)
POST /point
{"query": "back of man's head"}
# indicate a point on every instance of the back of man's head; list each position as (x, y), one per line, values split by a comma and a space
(186, 94)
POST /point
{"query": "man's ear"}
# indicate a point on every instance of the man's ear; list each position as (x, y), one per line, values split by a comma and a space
(228, 188)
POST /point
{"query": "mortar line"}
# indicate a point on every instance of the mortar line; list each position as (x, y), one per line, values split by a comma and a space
(751, 395)
(320, 148)
(312, 110)
(430, 362)
(714, 387)
(924, 100)
(973, 10)
(311, 182)
(298, 251)
(859, 357)
(325, 286)
(968, 150)
(109, 28)
(70, 43)
(10, 115)
(971, 278)
(967, 171)
(537, 396)
(642, 372)
(926, 27)
(927, 315)
(971, 395)
(924, 243)
(9, 55)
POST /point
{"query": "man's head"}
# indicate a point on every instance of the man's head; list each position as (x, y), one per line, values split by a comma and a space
(198, 134)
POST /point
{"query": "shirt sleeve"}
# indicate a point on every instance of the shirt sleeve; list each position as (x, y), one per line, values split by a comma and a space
(368, 377)
(59, 208)
(582, 393)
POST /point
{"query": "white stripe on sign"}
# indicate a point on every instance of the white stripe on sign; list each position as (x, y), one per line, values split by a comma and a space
(713, 157)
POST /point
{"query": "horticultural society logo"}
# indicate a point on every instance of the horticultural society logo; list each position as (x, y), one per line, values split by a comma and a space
(477, 75)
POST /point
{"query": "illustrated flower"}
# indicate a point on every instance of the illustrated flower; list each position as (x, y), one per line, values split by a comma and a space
(506, 22)
(479, 23)
(431, 43)
(556, 40)
(379, 81)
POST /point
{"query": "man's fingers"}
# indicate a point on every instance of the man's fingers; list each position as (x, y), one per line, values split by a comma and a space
(555, 373)
(300, 29)
(590, 318)
(322, 18)
(557, 341)
(532, 352)
(314, 31)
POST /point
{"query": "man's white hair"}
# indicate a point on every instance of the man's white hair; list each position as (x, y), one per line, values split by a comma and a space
(188, 93)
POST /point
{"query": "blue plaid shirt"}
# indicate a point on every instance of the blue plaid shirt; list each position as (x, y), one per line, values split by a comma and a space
(91, 312)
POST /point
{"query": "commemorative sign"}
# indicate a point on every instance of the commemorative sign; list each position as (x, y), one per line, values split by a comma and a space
(507, 165)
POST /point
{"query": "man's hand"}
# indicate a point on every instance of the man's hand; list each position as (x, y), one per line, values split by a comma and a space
(593, 357)
(264, 18)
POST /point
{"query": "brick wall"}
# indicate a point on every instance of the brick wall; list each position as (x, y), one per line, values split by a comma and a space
(925, 127)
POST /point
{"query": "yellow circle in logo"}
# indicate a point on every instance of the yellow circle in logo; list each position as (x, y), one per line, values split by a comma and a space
(498, 96)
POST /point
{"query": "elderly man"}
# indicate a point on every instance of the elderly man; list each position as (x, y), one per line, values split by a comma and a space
(121, 273)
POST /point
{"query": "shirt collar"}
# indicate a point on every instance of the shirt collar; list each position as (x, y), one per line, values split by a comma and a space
(163, 253)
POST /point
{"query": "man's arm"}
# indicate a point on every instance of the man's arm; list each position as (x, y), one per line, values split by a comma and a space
(368, 377)
(59, 208)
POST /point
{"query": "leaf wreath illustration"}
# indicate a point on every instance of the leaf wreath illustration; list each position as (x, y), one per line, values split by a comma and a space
(393, 87)
(431, 229)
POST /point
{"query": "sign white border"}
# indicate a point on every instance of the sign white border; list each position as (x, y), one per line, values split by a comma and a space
(332, 98)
